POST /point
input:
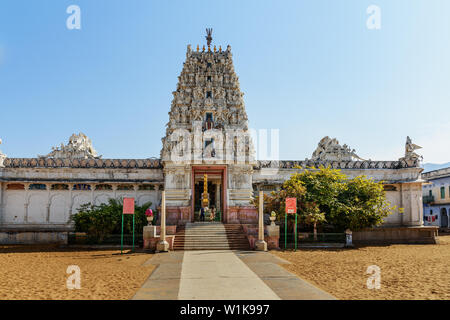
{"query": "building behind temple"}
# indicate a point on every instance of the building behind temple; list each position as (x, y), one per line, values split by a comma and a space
(207, 134)
(436, 198)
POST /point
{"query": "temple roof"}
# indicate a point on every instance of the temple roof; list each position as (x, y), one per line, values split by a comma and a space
(157, 164)
(82, 163)
(366, 164)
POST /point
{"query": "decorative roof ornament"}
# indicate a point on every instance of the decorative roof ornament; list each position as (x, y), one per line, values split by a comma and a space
(2, 156)
(330, 150)
(209, 36)
(410, 155)
(79, 147)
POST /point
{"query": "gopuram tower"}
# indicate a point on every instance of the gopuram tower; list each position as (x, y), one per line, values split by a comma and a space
(207, 134)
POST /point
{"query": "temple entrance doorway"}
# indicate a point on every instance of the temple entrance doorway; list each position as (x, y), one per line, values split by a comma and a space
(212, 198)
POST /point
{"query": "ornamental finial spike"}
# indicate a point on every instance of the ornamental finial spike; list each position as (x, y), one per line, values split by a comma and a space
(208, 36)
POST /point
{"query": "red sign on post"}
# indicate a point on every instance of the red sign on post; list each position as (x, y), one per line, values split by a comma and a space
(291, 205)
(128, 205)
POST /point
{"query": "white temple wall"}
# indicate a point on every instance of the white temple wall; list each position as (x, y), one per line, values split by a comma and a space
(13, 207)
(394, 198)
(22, 206)
(79, 198)
(37, 207)
(59, 207)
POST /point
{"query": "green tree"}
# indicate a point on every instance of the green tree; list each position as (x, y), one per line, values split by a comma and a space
(322, 187)
(362, 204)
(312, 216)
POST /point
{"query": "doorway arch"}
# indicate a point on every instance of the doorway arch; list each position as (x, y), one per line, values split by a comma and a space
(444, 218)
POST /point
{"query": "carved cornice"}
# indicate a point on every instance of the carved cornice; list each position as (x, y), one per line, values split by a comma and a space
(83, 163)
(157, 164)
(369, 164)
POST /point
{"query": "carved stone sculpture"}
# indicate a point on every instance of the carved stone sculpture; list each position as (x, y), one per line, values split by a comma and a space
(410, 155)
(330, 150)
(79, 147)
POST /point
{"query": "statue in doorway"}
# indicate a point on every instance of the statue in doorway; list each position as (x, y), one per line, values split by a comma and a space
(213, 214)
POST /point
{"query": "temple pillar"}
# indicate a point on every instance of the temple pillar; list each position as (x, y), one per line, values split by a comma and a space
(48, 187)
(163, 245)
(261, 245)
(411, 202)
(217, 195)
(26, 202)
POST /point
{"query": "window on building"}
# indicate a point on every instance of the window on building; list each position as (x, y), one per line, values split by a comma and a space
(82, 186)
(103, 187)
(15, 186)
(208, 94)
(430, 193)
(37, 186)
(60, 187)
(127, 187)
(146, 187)
(442, 192)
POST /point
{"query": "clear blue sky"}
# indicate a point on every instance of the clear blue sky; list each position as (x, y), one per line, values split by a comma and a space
(309, 68)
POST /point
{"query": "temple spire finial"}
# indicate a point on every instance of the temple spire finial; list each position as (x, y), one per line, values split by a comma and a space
(209, 36)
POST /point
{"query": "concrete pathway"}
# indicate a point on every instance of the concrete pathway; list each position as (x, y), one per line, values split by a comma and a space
(220, 275)
(224, 275)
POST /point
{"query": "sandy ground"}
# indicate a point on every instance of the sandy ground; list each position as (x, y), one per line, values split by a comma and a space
(407, 271)
(30, 272)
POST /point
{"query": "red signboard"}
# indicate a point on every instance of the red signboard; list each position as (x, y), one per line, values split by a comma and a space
(291, 205)
(128, 205)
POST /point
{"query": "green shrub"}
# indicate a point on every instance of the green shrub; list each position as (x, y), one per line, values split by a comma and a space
(104, 219)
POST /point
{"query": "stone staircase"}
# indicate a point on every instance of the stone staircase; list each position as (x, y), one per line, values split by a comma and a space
(210, 236)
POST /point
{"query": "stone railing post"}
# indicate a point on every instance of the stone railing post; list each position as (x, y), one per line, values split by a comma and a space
(261, 245)
(163, 245)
